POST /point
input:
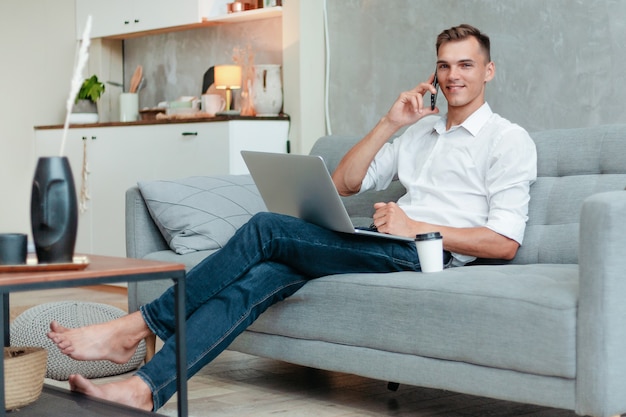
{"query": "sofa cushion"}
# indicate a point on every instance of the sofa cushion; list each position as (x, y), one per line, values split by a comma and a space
(518, 317)
(201, 213)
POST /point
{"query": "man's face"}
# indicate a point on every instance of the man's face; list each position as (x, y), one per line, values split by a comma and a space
(463, 71)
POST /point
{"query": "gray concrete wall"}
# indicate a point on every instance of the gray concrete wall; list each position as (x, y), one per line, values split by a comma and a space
(559, 63)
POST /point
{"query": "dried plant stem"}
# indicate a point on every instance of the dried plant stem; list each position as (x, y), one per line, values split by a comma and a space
(84, 187)
(245, 59)
(77, 79)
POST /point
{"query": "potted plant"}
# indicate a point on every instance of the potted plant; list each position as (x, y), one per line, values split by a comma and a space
(85, 109)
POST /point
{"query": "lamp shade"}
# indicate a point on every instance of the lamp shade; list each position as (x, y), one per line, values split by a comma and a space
(227, 76)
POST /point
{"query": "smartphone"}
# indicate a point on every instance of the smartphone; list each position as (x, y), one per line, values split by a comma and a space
(433, 97)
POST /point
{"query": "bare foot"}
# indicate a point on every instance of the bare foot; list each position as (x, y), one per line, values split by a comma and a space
(133, 391)
(116, 340)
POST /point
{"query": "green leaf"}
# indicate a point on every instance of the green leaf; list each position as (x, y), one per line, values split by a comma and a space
(91, 89)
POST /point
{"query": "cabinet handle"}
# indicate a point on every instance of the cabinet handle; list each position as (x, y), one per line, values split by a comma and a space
(136, 20)
(190, 133)
(92, 138)
(126, 22)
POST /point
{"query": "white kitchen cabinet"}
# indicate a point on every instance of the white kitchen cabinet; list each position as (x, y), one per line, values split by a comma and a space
(119, 17)
(120, 156)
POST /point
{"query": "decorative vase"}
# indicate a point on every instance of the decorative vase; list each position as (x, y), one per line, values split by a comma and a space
(267, 90)
(54, 210)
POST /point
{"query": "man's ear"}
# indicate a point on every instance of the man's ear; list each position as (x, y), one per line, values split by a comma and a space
(490, 71)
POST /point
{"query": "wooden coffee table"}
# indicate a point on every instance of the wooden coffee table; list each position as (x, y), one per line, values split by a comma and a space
(98, 270)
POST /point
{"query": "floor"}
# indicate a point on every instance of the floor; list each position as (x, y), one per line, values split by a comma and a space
(242, 385)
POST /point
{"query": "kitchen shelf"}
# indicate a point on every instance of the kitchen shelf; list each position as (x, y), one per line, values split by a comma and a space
(245, 16)
(237, 17)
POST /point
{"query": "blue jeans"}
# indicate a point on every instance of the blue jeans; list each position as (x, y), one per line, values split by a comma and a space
(267, 260)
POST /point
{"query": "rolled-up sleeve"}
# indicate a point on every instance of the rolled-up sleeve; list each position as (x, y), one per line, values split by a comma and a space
(382, 169)
(512, 170)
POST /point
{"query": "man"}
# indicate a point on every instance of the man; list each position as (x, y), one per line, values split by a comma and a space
(467, 176)
(445, 186)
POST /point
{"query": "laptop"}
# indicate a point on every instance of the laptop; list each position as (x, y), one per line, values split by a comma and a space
(301, 186)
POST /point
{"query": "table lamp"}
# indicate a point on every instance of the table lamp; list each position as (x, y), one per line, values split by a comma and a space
(228, 77)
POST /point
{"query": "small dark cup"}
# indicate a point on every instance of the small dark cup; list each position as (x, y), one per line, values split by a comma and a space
(13, 248)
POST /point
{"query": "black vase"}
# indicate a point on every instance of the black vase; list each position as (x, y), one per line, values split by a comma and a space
(54, 210)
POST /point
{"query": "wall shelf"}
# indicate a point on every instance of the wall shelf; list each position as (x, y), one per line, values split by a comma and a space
(245, 16)
(238, 17)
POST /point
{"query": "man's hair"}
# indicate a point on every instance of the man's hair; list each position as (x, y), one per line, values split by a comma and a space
(462, 32)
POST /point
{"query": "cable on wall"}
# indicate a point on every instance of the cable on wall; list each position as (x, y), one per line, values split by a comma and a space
(326, 71)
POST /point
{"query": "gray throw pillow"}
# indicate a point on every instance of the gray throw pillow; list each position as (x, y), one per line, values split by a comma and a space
(201, 213)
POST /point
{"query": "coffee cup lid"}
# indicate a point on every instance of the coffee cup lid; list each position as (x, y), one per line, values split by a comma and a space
(428, 236)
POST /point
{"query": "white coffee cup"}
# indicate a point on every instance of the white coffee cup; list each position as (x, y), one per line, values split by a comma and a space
(213, 103)
(129, 107)
(430, 251)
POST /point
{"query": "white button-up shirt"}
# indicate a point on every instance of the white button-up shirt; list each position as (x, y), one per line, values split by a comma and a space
(476, 174)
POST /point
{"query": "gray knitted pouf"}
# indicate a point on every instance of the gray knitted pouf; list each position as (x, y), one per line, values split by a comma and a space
(30, 328)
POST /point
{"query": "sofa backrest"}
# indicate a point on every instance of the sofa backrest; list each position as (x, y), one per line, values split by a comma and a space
(572, 164)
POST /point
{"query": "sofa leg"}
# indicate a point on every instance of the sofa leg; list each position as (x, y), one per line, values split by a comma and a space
(393, 386)
(150, 347)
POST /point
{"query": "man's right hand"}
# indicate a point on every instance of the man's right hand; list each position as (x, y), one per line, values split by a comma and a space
(407, 109)
(410, 106)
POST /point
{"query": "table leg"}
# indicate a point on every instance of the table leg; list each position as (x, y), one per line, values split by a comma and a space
(181, 346)
(4, 319)
(7, 318)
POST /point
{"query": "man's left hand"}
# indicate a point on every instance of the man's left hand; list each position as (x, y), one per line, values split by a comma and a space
(390, 218)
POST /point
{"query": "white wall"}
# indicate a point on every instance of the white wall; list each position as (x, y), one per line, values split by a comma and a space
(37, 46)
(303, 71)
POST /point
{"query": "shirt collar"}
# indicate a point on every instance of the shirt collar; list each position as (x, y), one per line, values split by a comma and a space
(472, 124)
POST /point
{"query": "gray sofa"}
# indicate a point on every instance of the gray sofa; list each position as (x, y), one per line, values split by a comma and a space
(547, 328)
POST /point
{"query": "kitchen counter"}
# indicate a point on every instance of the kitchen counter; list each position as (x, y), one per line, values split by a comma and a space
(221, 118)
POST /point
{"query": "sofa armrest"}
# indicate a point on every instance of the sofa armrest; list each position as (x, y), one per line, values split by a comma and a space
(142, 234)
(601, 333)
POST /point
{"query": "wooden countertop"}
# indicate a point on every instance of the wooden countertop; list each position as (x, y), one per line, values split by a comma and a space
(221, 118)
